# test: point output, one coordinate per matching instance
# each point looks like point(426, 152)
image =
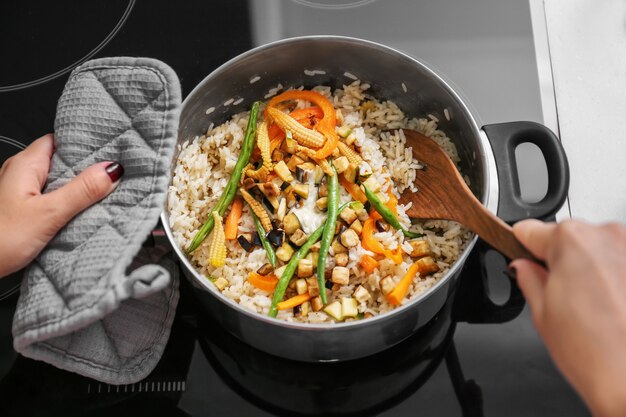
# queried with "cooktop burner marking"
point(333, 4)
point(70, 67)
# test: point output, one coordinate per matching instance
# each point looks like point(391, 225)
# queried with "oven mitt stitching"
point(80, 309)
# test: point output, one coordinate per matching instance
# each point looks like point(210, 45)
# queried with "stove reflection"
point(365, 386)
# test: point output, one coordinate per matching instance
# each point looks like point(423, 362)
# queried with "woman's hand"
point(28, 218)
point(579, 305)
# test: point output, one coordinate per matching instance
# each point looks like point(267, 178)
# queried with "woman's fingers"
point(29, 169)
point(87, 188)
point(531, 279)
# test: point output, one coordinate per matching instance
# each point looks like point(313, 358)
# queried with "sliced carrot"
point(232, 220)
point(396, 296)
point(368, 263)
point(263, 282)
point(293, 301)
point(355, 192)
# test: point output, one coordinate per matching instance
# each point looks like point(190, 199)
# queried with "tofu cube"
point(278, 272)
point(427, 265)
point(301, 286)
point(341, 259)
point(348, 215)
point(387, 285)
point(221, 283)
point(298, 237)
point(361, 294)
point(362, 214)
point(421, 248)
point(340, 275)
point(305, 269)
point(350, 173)
point(316, 303)
point(349, 307)
point(316, 247)
point(305, 308)
point(349, 238)
point(312, 287)
point(357, 226)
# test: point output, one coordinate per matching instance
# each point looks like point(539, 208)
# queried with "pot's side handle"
point(504, 138)
point(472, 303)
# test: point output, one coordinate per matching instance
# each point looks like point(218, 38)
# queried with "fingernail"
point(511, 272)
point(115, 171)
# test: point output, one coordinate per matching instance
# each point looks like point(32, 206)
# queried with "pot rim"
point(489, 197)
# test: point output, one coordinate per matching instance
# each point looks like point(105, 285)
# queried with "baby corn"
point(301, 134)
point(217, 248)
point(258, 209)
point(259, 174)
point(263, 142)
point(349, 153)
point(323, 163)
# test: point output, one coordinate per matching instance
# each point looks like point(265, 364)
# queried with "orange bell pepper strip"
point(370, 243)
point(326, 126)
point(396, 295)
point(293, 301)
point(263, 282)
point(232, 221)
point(354, 190)
point(368, 263)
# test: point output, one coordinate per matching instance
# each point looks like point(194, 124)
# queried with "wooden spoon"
point(443, 194)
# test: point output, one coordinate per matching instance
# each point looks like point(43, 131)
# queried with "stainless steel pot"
point(390, 73)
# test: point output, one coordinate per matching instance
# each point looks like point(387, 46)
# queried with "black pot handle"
point(504, 138)
point(472, 303)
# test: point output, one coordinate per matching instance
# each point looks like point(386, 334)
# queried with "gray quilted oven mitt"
point(82, 308)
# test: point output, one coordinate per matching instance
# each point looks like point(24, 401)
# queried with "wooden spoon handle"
point(498, 234)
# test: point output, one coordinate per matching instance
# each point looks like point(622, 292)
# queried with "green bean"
point(387, 214)
point(290, 268)
point(329, 230)
point(231, 187)
point(269, 250)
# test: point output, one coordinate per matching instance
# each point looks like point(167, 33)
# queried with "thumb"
point(536, 235)
point(87, 188)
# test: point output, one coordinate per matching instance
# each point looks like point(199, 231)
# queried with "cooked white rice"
point(205, 164)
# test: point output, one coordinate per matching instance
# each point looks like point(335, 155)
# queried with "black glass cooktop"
point(478, 357)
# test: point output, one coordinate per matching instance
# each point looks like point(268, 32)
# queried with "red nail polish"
point(115, 171)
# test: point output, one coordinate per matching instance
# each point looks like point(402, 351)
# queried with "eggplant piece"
point(276, 237)
point(245, 243)
point(301, 174)
point(268, 204)
point(381, 226)
point(256, 240)
point(265, 269)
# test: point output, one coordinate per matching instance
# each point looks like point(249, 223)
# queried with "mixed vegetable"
point(290, 182)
